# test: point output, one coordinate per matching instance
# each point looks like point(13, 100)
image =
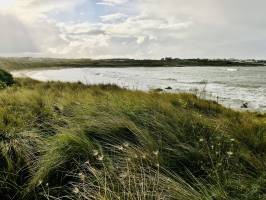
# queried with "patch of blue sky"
point(85, 12)
point(90, 11)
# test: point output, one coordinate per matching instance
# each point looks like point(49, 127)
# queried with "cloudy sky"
point(133, 28)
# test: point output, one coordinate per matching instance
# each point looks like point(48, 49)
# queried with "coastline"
point(131, 78)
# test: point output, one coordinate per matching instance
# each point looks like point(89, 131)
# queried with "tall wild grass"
point(71, 141)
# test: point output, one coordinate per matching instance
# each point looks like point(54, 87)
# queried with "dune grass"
point(71, 141)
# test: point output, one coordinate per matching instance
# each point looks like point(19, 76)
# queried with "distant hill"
point(29, 63)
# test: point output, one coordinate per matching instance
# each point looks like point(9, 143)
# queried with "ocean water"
point(231, 86)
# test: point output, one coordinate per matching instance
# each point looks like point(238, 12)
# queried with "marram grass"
point(71, 141)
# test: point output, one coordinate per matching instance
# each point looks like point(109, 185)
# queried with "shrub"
point(6, 78)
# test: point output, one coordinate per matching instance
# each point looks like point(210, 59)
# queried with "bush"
point(6, 78)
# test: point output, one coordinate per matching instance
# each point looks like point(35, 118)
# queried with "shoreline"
point(208, 95)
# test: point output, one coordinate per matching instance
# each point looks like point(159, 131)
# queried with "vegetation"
point(6, 78)
point(71, 141)
point(26, 63)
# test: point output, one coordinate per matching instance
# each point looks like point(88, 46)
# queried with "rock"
point(244, 105)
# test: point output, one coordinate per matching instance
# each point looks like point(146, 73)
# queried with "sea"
point(230, 86)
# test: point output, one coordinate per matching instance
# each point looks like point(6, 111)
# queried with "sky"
point(133, 28)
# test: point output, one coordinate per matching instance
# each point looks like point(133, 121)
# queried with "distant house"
point(167, 59)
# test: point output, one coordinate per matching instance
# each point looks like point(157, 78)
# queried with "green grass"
point(71, 141)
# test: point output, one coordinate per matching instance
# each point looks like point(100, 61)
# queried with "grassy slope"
point(103, 142)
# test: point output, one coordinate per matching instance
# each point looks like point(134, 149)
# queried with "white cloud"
point(141, 39)
point(32, 10)
point(15, 36)
point(27, 29)
point(113, 17)
point(112, 2)
point(150, 28)
point(46, 5)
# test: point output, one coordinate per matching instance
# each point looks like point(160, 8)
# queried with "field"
point(71, 141)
